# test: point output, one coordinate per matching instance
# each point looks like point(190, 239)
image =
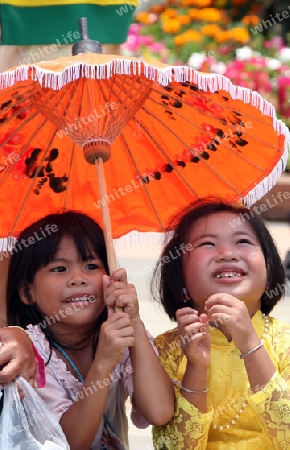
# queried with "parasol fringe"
point(6, 245)
point(269, 182)
point(11, 77)
point(206, 82)
point(138, 238)
point(124, 242)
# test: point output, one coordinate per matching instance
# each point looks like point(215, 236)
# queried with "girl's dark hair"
point(168, 282)
point(36, 247)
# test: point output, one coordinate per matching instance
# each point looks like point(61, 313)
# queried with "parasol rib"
point(177, 172)
point(30, 188)
point(179, 115)
point(145, 190)
point(152, 114)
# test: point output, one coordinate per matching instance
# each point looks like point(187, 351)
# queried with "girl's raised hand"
point(194, 336)
point(118, 292)
point(116, 334)
point(231, 316)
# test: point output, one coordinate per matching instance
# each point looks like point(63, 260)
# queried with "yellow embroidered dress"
point(263, 424)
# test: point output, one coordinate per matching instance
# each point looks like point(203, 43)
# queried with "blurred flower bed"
point(217, 36)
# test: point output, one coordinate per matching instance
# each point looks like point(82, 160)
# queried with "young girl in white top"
point(59, 287)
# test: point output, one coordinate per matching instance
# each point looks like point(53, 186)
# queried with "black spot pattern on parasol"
point(58, 184)
point(145, 180)
point(241, 142)
point(53, 154)
point(5, 104)
point(205, 155)
point(45, 172)
point(157, 175)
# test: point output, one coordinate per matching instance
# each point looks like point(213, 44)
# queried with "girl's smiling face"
point(225, 258)
point(69, 291)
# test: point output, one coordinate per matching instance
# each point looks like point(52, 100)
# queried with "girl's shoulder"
point(38, 338)
point(168, 341)
point(279, 329)
point(54, 365)
point(277, 343)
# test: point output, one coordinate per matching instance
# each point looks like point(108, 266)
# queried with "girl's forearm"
point(153, 389)
point(259, 367)
point(195, 379)
point(82, 420)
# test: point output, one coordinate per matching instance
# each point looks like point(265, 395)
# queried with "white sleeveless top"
point(62, 389)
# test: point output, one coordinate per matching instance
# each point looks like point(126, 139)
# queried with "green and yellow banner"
point(32, 22)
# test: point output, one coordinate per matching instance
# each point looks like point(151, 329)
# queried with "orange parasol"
point(167, 134)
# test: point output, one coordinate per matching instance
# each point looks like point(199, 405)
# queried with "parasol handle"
point(107, 228)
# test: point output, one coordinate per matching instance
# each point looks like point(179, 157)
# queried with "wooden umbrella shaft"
point(107, 228)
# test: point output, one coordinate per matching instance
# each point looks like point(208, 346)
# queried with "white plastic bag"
point(26, 422)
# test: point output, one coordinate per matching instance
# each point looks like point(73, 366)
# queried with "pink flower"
point(146, 40)
point(157, 47)
point(283, 94)
point(134, 28)
point(133, 43)
point(275, 42)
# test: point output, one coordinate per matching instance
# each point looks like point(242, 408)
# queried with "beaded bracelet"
point(251, 351)
point(191, 391)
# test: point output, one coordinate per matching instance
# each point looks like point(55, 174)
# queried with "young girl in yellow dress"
point(229, 360)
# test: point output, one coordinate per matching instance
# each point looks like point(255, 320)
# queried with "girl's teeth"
point(79, 299)
point(85, 298)
point(228, 275)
